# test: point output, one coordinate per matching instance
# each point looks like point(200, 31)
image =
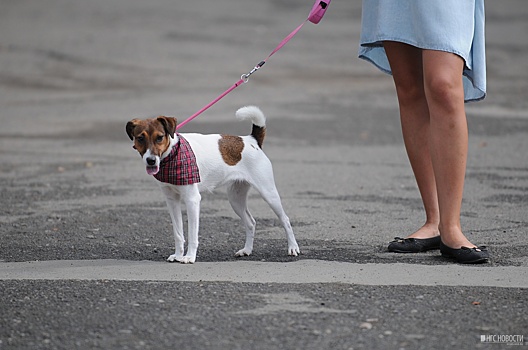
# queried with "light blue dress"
point(455, 26)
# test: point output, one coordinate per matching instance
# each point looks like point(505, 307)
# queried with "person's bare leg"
point(406, 65)
point(448, 139)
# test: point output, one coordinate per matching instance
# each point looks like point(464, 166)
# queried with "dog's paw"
point(294, 250)
point(175, 257)
point(188, 259)
point(243, 252)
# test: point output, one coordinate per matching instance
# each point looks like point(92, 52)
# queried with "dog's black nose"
point(151, 161)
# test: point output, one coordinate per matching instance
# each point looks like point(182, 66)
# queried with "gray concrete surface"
point(84, 231)
point(298, 272)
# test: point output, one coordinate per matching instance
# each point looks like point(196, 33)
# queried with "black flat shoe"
point(465, 255)
point(414, 245)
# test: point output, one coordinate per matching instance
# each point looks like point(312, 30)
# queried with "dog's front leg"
point(191, 196)
point(172, 198)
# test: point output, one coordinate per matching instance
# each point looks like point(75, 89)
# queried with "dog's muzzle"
point(152, 163)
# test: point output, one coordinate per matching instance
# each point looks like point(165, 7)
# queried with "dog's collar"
point(171, 153)
point(174, 143)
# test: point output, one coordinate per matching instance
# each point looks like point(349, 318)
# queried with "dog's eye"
point(141, 139)
point(159, 138)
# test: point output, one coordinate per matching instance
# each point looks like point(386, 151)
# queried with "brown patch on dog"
point(231, 148)
point(151, 134)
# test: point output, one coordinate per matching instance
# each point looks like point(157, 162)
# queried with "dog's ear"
point(130, 128)
point(169, 124)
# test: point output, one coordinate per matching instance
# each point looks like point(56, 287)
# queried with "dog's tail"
point(257, 118)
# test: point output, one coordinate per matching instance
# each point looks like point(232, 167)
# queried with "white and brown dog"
point(187, 164)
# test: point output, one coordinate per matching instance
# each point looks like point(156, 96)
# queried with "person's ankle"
point(426, 231)
point(454, 238)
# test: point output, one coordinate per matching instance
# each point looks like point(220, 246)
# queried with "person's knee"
point(410, 93)
point(443, 90)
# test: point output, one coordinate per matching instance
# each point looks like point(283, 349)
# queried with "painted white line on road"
point(302, 271)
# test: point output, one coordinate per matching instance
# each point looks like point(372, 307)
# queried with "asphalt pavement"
point(84, 231)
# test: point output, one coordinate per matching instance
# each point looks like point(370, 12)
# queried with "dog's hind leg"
point(237, 194)
point(268, 191)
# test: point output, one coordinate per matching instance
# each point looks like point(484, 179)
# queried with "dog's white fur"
point(253, 170)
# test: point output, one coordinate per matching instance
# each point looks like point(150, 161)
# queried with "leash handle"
point(315, 16)
point(318, 11)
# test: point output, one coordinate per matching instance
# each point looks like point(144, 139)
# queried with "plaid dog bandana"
point(179, 167)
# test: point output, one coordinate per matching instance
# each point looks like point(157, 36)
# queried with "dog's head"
point(152, 138)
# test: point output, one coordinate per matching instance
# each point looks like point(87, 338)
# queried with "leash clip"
point(245, 77)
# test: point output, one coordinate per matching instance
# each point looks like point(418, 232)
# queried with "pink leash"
point(315, 16)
